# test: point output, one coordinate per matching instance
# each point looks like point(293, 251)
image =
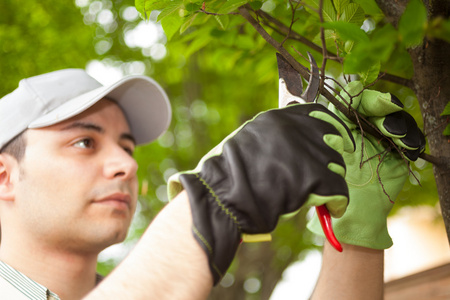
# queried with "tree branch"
point(399, 80)
point(292, 34)
point(324, 46)
point(304, 72)
point(283, 29)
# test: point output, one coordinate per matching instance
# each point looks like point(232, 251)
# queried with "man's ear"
point(7, 163)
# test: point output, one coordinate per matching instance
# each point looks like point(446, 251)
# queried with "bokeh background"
point(215, 83)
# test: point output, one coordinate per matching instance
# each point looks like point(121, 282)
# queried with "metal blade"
point(290, 82)
point(314, 80)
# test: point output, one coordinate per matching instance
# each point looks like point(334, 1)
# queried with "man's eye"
point(85, 143)
point(129, 150)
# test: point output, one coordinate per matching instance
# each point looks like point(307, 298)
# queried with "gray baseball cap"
point(50, 98)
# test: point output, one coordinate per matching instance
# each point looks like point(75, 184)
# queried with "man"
point(68, 188)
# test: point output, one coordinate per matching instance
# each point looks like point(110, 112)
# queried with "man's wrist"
point(354, 273)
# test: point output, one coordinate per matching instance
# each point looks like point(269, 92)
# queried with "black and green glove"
point(365, 221)
point(270, 166)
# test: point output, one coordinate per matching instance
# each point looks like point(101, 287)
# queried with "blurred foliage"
point(41, 37)
point(218, 73)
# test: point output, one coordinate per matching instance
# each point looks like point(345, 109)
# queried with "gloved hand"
point(270, 166)
point(364, 222)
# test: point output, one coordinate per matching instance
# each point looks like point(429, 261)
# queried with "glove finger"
point(350, 95)
point(336, 142)
point(413, 155)
point(378, 104)
point(397, 101)
point(348, 143)
point(392, 125)
point(414, 137)
point(336, 198)
point(395, 124)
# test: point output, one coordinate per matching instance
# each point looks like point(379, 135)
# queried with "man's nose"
point(120, 164)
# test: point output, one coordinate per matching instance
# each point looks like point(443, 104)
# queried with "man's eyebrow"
point(128, 136)
point(84, 125)
point(97, 128)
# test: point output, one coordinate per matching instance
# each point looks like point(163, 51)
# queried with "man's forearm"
point(167, 263)
point(356, 273)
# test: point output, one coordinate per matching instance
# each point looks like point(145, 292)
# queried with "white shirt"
point(16, 286)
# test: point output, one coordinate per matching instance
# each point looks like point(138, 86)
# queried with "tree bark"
point(431, 84)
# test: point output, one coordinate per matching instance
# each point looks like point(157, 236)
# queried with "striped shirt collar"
point(25, 285)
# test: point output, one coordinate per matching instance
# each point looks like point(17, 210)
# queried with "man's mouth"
point(118, 200)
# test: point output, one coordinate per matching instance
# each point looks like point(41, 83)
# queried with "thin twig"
point(293, 35)
point(324, 46)
point(215, 14)
point(296, 36)
point(292, 21)
point(300, 54)
point(368, 127)
point(379, 177)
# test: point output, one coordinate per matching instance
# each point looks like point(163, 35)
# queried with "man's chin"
point(102, 240)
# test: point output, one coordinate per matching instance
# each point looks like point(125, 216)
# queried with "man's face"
point(77, 187)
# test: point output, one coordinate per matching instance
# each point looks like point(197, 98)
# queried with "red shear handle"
point(325, 221)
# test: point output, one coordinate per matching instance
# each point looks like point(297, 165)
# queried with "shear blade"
point(314, 80)
point(292, 78)
point(291, 86)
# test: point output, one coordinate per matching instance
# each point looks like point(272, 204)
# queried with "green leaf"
point(400, 63)
point(339, 5)
point(192, 7)
point(439, 28)
point(231, 6)
point(353, 13)
point(187, 22)
point(348, 31)
point(256, 4)
point(145, 7)
point(140, 7)
point(170, 8)
point(412, 23)
point(328, 11)
point(311, 5)
point(447, 130)
point(371, 74)
point(367, 53)
point(369, 6)
point(171, 24)
point(446, 111)
point(348, 46)
point(198, 2)
point(330, 38)
point(223, 21)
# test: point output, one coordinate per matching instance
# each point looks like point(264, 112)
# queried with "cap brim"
point(143, 101)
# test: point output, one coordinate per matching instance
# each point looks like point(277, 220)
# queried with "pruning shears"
point(290, 91)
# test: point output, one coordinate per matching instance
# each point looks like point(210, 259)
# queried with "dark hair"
point(16, 147)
